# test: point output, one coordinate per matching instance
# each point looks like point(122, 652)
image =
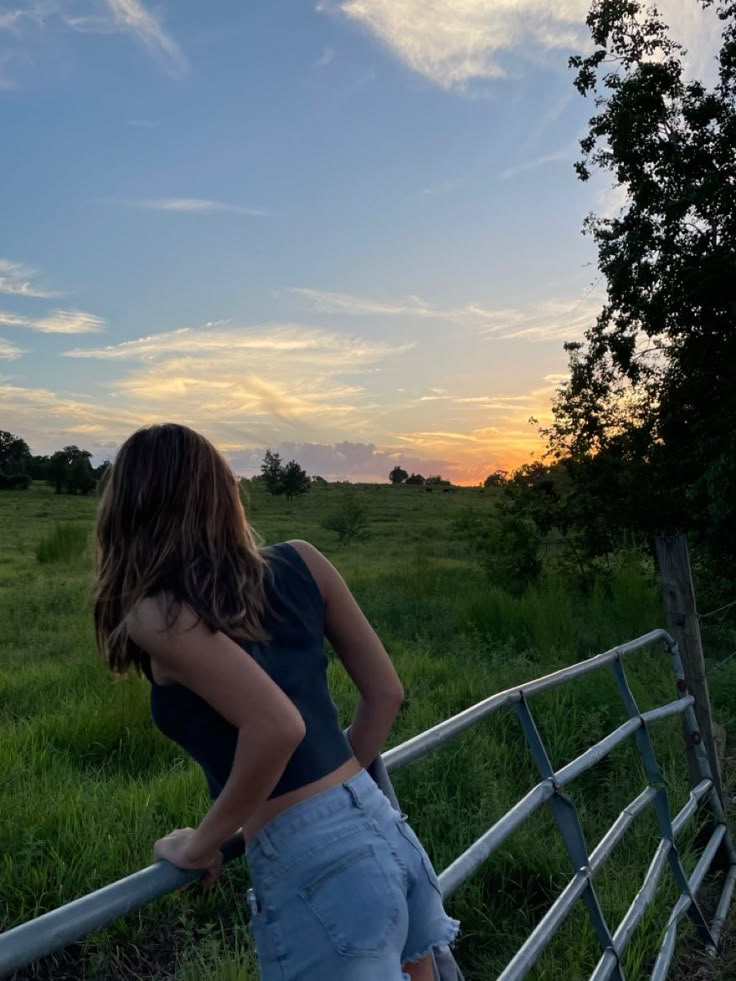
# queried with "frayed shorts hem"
point(446, 940)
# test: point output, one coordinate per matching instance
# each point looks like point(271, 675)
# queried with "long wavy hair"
point(170, 524)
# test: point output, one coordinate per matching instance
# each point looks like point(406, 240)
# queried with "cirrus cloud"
point(57, 322)
point(454, 43)
point(16, 279)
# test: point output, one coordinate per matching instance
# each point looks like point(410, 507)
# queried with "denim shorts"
point(342, 890)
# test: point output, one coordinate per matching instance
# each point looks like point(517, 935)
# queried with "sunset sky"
point(346, 230)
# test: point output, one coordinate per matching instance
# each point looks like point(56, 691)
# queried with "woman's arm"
point(364, 656)
point(222, 673)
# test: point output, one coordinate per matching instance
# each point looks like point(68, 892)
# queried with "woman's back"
point(294, 658)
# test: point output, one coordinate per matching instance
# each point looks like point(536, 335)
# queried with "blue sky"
point(349, 231)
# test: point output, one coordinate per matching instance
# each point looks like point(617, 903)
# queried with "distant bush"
point(508, 547)
point(62, 544)
point(496, 479)
point(14, 481)
point(349, 521)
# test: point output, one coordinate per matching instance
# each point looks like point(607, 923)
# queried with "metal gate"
point(50, 932)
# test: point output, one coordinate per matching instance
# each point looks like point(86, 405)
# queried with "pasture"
point(87, 784)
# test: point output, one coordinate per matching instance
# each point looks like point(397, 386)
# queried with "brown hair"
point(170, 523)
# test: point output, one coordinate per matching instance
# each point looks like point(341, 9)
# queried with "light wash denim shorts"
point(342, 890)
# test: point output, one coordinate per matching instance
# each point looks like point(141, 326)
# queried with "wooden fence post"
point(682, 623)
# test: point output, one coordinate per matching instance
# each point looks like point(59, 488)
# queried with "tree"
point(272, 472)
point(436, 481)
point(294, 480)
point(81, 475)
point(496, 479)
point(38, 467)
point(647, 398)
point(69, 469)
point(398, 475)
point(14, 453)
point(415, 478)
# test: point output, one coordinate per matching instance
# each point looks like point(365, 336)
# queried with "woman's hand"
point(177, 848)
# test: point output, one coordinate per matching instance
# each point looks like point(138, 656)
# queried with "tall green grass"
point(63, 543)
point(87, 784)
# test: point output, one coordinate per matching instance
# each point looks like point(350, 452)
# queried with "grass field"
point(87, 784)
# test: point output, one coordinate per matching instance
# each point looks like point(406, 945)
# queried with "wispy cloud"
point(453, 43)
point(130, 17)
point(57, 322)
point(327, 301)
point(437, 190)
point(92, 24)
point(12, 19)
point(16, 279)
point(568, 153)
point(310, 344)
point(228, 382)
point(10, 351)
point(133, 16)
point(195, 206)
point(240, 386)
point(326, 58)
point(550, 320)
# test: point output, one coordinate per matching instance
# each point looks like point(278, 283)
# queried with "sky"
point(346, 230)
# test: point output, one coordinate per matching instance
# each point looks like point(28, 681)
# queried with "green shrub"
point(349, 521)
point(507, 545)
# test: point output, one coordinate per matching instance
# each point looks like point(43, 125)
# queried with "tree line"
point(400, 476)
point(68, 469)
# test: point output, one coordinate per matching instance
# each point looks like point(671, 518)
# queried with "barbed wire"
point(727, 606)
point(719, 664)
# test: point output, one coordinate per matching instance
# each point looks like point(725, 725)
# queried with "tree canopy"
point(648, 414)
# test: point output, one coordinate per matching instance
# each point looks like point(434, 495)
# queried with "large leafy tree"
point(14, 452)
point(70, 469)
point(648, 415)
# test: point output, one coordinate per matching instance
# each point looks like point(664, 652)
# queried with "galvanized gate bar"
point(568, 823)
point(643, 898)
point(426, 741)
point(662, 964)
point(53, 930)
point(693, 801)
point(464, 865)
point(619, 828)
point(723, 904)
point(525, 957)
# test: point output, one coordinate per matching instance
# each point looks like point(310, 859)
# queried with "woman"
point(232, 640)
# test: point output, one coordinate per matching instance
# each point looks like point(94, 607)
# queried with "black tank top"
point(294, 657)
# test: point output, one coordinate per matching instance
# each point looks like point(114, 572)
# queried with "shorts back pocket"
point(355, 902)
